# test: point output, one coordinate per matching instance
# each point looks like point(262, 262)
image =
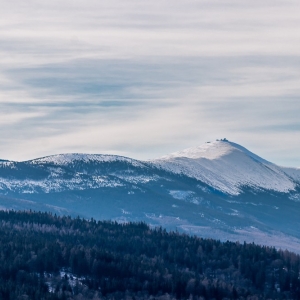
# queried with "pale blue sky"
point(143, 79)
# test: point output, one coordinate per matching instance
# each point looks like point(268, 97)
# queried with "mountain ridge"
point(202, 196)
point(223, 165)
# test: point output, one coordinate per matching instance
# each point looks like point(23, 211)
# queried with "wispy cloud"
point(146, 78)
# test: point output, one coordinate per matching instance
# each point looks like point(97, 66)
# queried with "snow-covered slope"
point(71, 172)
point(229, 167)
point(294, 173)
point(71, 158)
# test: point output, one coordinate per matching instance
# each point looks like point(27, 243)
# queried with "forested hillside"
point(43, 256)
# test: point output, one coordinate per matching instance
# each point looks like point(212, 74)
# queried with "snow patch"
point(56, 184)
point(181, 195)
point(295, 197)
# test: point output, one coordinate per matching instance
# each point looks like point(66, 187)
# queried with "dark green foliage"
point(105, 260)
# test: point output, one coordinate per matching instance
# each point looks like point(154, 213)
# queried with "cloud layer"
point(142, 79)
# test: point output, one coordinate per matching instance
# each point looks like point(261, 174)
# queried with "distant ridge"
point(222, 164)
point(68, 158)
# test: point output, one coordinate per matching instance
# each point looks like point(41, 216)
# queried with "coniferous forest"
point(43, 256)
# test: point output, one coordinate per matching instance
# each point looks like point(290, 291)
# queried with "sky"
point(146, 78)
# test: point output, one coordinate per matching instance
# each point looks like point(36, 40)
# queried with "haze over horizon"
point(146, 79)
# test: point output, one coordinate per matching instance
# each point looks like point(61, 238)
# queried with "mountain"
point(229, 167)
point(218, 190)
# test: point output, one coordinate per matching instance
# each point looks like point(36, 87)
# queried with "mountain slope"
point(63, 172)
point(229, 167)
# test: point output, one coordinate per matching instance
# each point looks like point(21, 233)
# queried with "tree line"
point(44, 256)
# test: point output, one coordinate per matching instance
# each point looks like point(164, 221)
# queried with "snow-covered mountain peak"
point(213, 150)
point(228, 167)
